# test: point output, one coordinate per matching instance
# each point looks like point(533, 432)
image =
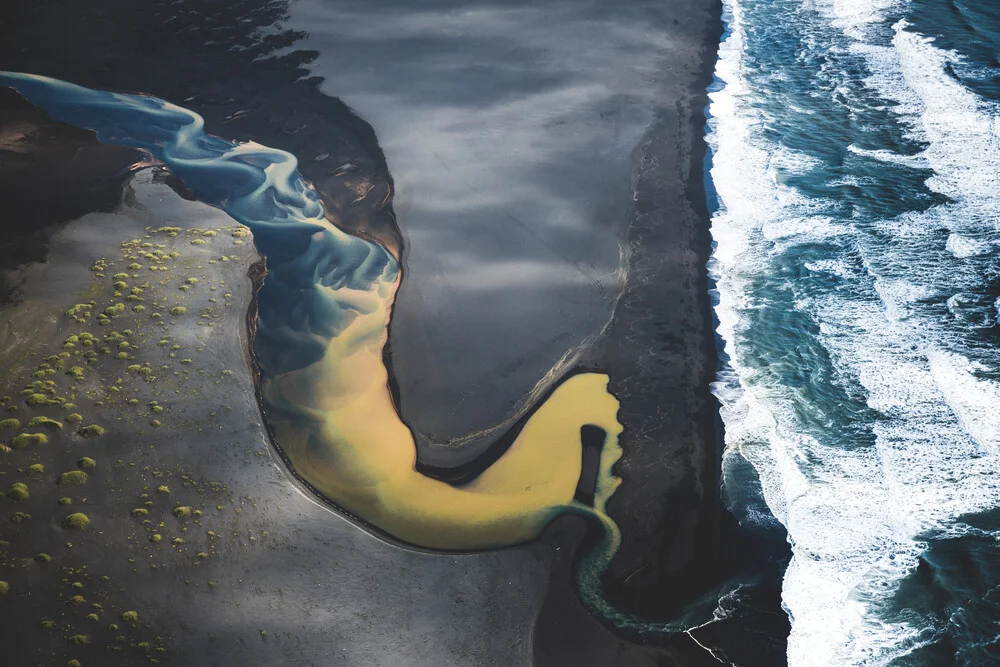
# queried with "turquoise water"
point(856, 157)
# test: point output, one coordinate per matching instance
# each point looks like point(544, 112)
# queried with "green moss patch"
point(18, 491)
point(44, 421)
point(25, 440)
point(9, 424)
point(76, 521)
point(73, 478)
point(86, 463)
point(92, 431)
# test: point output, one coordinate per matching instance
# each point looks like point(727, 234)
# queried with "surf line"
point(322, 324)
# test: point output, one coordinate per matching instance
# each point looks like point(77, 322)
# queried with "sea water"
point(856, 159)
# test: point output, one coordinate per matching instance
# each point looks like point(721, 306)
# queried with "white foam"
point(855, 17)
point(962, 247)
point(918, 161)
point(973, 400)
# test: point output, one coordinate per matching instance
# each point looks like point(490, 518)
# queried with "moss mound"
point(92, 431)
point(9, 423)
point(130, 616)
point(73, 478)
point(35, 400)
point(18, 491)
point(76, 521)
point(44, 421)
point(86, 463)
point(25, 440)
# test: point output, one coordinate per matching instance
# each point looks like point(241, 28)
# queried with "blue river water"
point(856, 161)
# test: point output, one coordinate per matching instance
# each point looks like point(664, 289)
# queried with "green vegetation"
point(140, 511)
point(65, 501)
point(76, 521)
point(74, 418)
point(182, 512)
point(130, 616)
point(86, 463)
point(92, 431)
point(178, 310)
point(9, 423)
point(43, 558)
point(92, 617)
point(164, 489)
point(156, 538)
point(35, 469)
point(20, 517)
point(4, 587)
point(18, 491)
point(35, 400)
point(25, 440)
point(44, 421)
point(80, 640)
point(73, 663)
point(73, 478)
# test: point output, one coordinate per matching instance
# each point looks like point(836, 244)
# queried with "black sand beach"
point(522, 260)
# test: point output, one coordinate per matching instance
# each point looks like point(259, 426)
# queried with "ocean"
point(855, 155)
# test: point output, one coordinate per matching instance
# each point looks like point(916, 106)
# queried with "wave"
point(853, 389)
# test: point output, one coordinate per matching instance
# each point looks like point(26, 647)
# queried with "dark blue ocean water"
point(856, 160)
